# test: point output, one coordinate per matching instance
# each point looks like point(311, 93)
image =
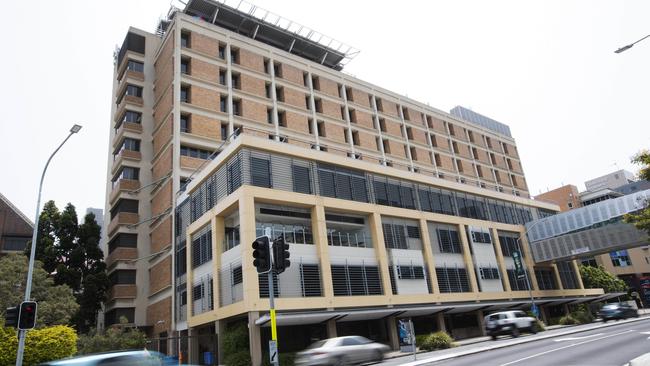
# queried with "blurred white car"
point(342, 351)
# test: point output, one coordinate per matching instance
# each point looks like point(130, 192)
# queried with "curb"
point(517, 342)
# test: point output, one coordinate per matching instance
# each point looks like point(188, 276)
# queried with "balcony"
point(127, 127)
point(123, 185)
point(122, 292)
point(125, 155)
point(122, 218)
point(121, 253)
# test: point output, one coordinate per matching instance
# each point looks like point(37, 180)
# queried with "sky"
point(546, 68)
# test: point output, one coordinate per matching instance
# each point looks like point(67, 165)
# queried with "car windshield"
point(317, 344)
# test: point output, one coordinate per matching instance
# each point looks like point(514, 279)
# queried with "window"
point(382, 125)
point(451, 129)
point(126, 172)
point(122, 277)
point(310, 280)
point(545, 279)
point(620, 258)
point(222, 76)
point(224, 131)
point(223, 104)
point(471, 136)
point(516, 283)
point(307, 102)
point(282, 118)
point(185, 123)
point(380, 105)
point(356, 280)
point(135, 66)
point(489, 273)
point(131, 90)
point(234, 175)
point(355, 138)
point(409, 133)
point(236, 107)
point(352, 115)
point(320, 125)
point(236, 80)
point(452, 280)
point(128, 144)
point(405, 114)
point(434, 142)
point(318, 103)
point(124, 205)
point(479, 171)
point(132, 117)
point(269, 115)
point(15, 243)
point(509, 162)
point(455, 147)
point(414, 153)
point(185, 94)
point(449, 241)
point(509, 245)
point(202, 248)
point(301, 179)
point(410, 272)
point(234, 55)
point(488, 141)
point(386, 145)
point(267, 65)
point(567, 275)
point(185, 65)
point(260, 172)
point(222, 51)
point(122, 240)
point(277, 69)
point(394, 193)
point(279, 93)
point(459, 165)
point(305, 79)
point(315, 82)
point(185, 39)
point(195, 152)
point(342, 183)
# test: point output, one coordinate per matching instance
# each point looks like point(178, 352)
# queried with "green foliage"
point(41, 345)
point(568, 320)
point(235, 346)
point(539, 325)
point(598, 277)
point(641, 218)
point(56, 304)
point(114, 338)
point(434, 341)
point(72, 257)
point(581, 315)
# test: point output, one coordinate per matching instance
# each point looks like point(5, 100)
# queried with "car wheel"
point(494, 337)
point(533, 328)
point(379, 356)
point(515, 332)
point(604, 320)
point(341, 361)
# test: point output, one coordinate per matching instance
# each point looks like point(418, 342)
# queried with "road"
point(612, 345)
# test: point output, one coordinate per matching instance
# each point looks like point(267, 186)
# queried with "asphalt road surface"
point(613, 345)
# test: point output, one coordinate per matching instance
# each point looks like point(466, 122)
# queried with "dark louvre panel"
point(425, 202)
point(260, 172)
point(545, 279)
point(301, 179)
point(393, 195)
point(448, 241)
point(393, 284)
point(452, 280)
point(359, 190)
point(234, 175)
point(357, 283)
point(381, 193)
point(310, 280)
point(327, 184)
point(413, 232)
point(408, 200)
point(400, 237)
point(340, 281)
point(389, 242)
point(264, 285)
point(343, 187)
point(373, 281)
point(517, 284)
point(356, 280)
point(567, 275)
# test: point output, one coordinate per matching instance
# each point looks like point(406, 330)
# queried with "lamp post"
point(530, 288)
point(625, 48)
point(32, 255)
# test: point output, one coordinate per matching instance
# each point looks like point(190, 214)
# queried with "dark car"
point(617, 311)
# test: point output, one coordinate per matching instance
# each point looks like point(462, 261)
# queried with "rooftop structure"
point(481, 120)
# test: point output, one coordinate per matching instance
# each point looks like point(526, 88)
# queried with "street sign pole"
point(273, 343)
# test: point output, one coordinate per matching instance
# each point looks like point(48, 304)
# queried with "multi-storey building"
point(15, 228)
point(229, 121)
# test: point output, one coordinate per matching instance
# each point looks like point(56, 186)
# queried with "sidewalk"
point(551, 331)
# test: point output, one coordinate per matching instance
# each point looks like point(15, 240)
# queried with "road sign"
point(273, 353)
point(519, 268)
point(535, 310)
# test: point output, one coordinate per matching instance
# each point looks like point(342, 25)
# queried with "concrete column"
point(331, 328)
point(319, 228)
point(254, 338)
point(576, 269)
point(218, 234)
point(556, 273)
point(382, 254)
point(565, 308)
point(428, 256)
point(467, 256)
point(247, 236)
point(500, 261)
point(481, 322)
point(393, 336)
point(220, 330)
point(542, 312)
point(193, 346)
point(440, 321)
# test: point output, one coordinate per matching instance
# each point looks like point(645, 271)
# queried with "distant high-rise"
point(610, 181)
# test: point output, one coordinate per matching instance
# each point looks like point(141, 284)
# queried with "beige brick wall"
point(161, 235)
point(368, 140)
point(447, 163)
point(162, 199)
point(334, 132)
point(254, 111)
point(390, 108)
point(251, 60)
point(297, 122)
point(204, 98)
point(396, 149)
point(483, 156)
point(468, 168)
point(478, 139)
point(463, 150)
point(487, 173)
point(419, 136)
point(162, 166)
point(328, 87)
point(164, 76)
point(292, 74)
point(159, 316)
point(191, 163)
point(204, 44)
point(205, 126)
point(331, 109)
point(253, 85)
point(295, 98)
point(160, 275)
point(363, 119)
point(359, 97)
point(204, 71)
point(438, 126)
point(163, 135)
point(393, 128)
point(163, 107)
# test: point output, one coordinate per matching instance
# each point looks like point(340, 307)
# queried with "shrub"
point(568, 320)
point(434, 341)
point(241, 358)
point(540, 326)
point(113, 338)
point(41, 345)
point(235, 339)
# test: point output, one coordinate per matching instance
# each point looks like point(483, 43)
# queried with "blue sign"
point(535, 310)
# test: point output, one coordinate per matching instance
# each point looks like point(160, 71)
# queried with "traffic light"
point(27, 315)
point(11, 317)
point(262, 254)
point(280, 255)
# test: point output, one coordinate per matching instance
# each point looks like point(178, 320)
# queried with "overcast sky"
point(545, 68)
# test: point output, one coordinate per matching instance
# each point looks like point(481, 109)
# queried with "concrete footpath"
point(480, 344)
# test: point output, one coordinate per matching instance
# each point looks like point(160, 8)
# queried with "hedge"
point(434, 341)
point(41, 345)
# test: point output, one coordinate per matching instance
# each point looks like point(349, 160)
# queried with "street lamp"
point(625, 48)
point(32, 255)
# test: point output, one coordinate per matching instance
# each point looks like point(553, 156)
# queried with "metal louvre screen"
point(342, 183)
point(517, 284)
point(202, 295)
point(452, 279)
point(202, 246)
point(231, 283)
point(260, 172)
point(545, 279)
point(449, 241)
point(509, 245)
point(567, 275)
point(301, 179)
point(393, 284)
point(353, 280)
point(264, 285)
point(310, 280)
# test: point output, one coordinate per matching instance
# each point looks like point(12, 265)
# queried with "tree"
point(641, 218)
point(598, 277)
point(114, 338)
point(74, 258)
point(56, 303)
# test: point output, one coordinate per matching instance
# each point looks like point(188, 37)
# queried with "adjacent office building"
point(15, 228)
point(230, 120)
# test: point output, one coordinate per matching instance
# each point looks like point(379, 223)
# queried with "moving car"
point(139, 357)
point(509, 322)
point(617, 311)
point(342, 351)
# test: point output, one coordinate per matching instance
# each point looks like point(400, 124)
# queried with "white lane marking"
point(645, 333)
point(568, 346)
point(576, 338)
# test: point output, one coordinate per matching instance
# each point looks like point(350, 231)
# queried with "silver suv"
point(509, 322)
